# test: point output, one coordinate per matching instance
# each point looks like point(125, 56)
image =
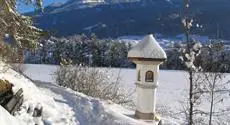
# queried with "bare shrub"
point(94, 82)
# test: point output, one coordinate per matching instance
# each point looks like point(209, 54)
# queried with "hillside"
point(134, 18)
point(52, 112)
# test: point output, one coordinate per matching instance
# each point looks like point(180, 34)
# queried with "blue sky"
point(25, 8)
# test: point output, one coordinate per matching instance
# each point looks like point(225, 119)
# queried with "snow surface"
point(171, 93)
point(89, 110)
point(61, 106)
point(172, 84)
point(52, 113)
point(147, 48)
point(7, 119)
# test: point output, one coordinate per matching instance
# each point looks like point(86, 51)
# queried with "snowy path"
point(48, 89)
point(86, 110)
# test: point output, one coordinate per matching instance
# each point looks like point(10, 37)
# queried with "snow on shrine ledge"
point(147, 50)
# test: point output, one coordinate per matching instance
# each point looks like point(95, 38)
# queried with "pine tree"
point(18, 28)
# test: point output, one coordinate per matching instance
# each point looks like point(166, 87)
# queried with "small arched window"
point(139, 76)
point(149, 76)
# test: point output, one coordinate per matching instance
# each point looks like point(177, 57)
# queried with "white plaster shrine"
point(147, 55)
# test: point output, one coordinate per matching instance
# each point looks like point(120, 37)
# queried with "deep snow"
point(171, 93)
point(62, 106)
point(172, 84)
point(89, 110)
point(52, 113)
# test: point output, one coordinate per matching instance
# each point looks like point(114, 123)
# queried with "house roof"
point(147, 49)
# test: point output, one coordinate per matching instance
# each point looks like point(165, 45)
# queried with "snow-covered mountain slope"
point(80, 4)
point(127, 17)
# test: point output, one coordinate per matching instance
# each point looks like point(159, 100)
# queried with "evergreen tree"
point(18, 29)
point(17, 26)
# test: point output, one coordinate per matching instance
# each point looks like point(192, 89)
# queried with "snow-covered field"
point(64, 106)
point(171, 93)
point(171, 83)
point(61, 106)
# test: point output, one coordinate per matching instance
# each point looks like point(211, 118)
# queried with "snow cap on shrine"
point(147, 50)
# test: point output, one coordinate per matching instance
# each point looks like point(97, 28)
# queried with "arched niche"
point(149, 76)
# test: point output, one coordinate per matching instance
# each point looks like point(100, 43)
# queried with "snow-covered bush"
point(94, 82)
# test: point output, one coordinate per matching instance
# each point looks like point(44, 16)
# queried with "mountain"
point(80, 4)
point(116, 18)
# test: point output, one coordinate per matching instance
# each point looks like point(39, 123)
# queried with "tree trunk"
point(210, 115)
point(190, 98)
point(212, 102)
point(186, 32)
